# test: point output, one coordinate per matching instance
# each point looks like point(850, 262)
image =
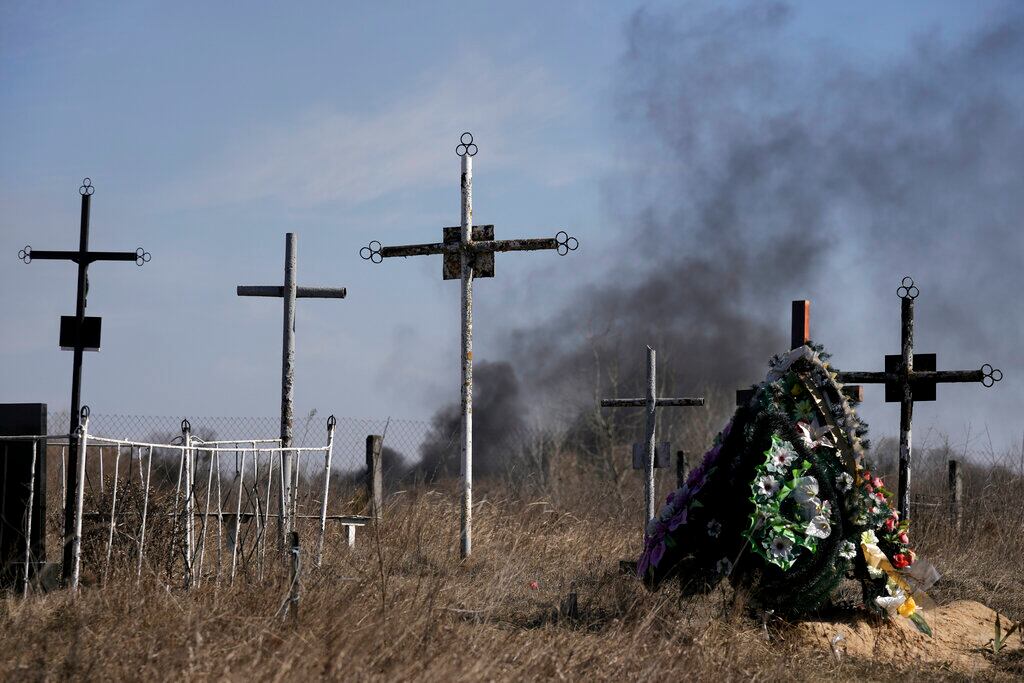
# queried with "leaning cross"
point(289, 293)
point(79, 334)
point(650, 402)
point(910, 377)
point(468, 252)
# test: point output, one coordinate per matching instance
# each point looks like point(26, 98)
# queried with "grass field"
point(403, 606)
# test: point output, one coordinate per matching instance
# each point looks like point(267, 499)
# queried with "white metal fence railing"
point(220, 487)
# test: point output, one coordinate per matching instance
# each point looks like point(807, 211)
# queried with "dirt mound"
point(963, 633)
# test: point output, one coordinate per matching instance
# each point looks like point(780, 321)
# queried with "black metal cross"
point(910, 377)
point(79, 334)
point(289, 293)
point(468, 252)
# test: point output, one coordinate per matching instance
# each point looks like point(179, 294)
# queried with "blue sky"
point(210, 132)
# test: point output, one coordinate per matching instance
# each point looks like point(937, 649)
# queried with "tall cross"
point(289, 293)
point(650, 403)
point(468, 251)
point(79, 334)
point(910, 377)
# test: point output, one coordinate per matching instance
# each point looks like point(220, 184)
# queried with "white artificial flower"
point(868, 537)
point(782, 455)
point(848, 551)
point(875, 572)
point(781, 548)
point(767, 486)
point(845, 482)
point(819, 527)
point(714, 528)
point(804, 489)
point(810, 508)
point(724, 566)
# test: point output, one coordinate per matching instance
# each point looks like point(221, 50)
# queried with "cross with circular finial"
point(990, 375)
point(907, 289)
point(466, 146)
point(142, 256)
point(26, 254)
point(86, 189)
point(565, 243)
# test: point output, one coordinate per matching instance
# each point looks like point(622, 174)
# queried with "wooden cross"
point(289, 293)
point(79, 334)
point(910, 377)
point(650, 403)
point(468, 252)
point(800, 334)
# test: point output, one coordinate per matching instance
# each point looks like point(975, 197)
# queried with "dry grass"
point(403, 606)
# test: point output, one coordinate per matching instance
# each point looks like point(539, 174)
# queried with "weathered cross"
point(650, 403)
point(468, 252)
point(79, 334)
point(289, 293)
point(910, 377)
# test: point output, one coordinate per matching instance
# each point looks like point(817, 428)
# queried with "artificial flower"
point(781, 548)
point(724, 566)
point(900, 561)
point(804, 489)
point(782, 454)
point(767, 486)
point(819, 527)
point(848, 550)
point(804, 410)
point(844, 481)
point(903, 538)
point(868, 537)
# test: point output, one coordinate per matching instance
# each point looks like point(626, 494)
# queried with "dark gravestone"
point(18, 419)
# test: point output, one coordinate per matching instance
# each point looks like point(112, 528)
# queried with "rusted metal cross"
point(910, 377)
point(650, 403)
point(79, 334)
point(289, 293)
point(468, 252)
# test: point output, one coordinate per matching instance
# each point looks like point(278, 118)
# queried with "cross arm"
point(641, 402)
point(300, 292)
point(987, 375)
point(536, 244)
point(140, 255)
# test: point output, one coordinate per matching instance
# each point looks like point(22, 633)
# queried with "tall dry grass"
point(403, 606)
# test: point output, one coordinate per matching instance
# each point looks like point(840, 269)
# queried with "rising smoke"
point(769, 167)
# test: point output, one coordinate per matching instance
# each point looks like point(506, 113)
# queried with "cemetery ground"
point(402, 605)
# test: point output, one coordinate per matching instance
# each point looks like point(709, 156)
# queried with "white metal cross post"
point(289, 293)
point(650, 402)
point(468, 252)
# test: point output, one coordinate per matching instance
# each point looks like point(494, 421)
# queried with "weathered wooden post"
point(468, 253)
point(289, 293)
point(651, 449)
point(291, 601)
point(374, 475)
point(956, 489)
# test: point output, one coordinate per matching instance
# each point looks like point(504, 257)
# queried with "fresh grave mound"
point(784, 506)
point(963, 635)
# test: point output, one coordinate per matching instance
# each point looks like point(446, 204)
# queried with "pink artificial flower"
point(877, 482)
point(903, 538)
point(890, 524)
